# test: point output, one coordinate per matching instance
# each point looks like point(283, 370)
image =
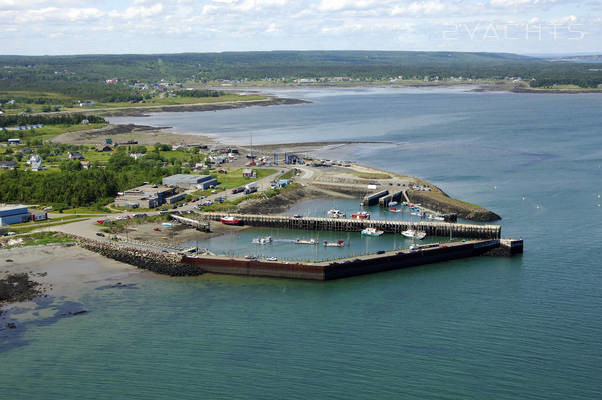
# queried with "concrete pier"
point(386, 200)
point(373, 198)
point(441, 229)
point(346, 267)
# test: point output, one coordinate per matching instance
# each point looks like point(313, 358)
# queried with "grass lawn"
point(50, 131)
point(30, 228)
point(183, 156)
point(372, 175)
point(100, 156)
point(167, 101)
point(234, 179)
point(41, 238)
point(87, 210)
point(59, 219)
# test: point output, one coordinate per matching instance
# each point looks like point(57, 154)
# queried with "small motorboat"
point(371, 232)
point(361, 215)
point(334, 213)
point(230, 221)
point(414, 234)
point(435, 217)
point(340, 243)
point(271, 259)
point(393, 204)
point(395, 210)
point(310, 241)
point(263, 240)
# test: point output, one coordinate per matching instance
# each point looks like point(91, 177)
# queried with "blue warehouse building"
point(14, 214)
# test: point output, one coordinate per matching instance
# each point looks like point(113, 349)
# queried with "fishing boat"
point(360, 215)
point(371, 232)
point(302, 241)
point(340, 243)
point(334, 213)
point(230, 221)
point(263, 240)
point(414, 234)
point(435, 217)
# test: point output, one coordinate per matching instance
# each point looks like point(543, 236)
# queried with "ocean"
point(499, 328)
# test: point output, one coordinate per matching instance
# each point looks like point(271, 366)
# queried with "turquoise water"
point(485, 328)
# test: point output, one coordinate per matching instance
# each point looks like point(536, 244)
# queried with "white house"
point(35, 162)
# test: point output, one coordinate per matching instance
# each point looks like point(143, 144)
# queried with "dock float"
point(442, 229)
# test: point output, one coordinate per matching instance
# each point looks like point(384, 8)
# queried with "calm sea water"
point(526, 327)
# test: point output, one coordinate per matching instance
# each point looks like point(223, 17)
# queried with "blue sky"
point(172, 26)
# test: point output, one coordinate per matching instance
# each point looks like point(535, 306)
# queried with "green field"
point(171, 101)
point(41, 238)
point(372, 175)
point(234, 179)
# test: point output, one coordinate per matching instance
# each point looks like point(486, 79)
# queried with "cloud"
point(337, 5)
point(138, 11)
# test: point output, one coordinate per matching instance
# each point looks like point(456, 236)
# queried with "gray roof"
point(185, 178)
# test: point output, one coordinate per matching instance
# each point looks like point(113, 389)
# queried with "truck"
point(250, 188)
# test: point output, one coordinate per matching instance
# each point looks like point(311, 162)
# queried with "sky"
point(41, 27)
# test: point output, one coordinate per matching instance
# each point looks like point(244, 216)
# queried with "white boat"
point(340, 243)
point(393, 204)
point(395, 210)
point(263, 240)
point(271, 259)
point(414, 234)
point(334, 213)
point(435, 217)
point(371, 232)
point(310, 241)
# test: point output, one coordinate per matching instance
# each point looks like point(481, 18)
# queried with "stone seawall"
point(160, 263)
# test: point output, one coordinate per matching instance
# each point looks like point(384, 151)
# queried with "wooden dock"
point(442, 229)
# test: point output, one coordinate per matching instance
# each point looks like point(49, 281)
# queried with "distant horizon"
point(534, 55)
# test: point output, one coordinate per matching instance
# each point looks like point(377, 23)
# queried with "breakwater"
point(180, 264)
point(155, 261)
point(344, 268)
point(353, 225)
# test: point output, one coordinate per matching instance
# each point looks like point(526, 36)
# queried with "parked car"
point(100, 234)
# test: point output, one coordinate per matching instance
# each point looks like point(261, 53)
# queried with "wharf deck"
point(443, 229)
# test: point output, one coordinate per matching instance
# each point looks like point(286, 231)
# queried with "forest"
point(74, 187)
point(84, 76)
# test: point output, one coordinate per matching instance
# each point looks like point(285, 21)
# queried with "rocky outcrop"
point(160, 263)
point(440, 202)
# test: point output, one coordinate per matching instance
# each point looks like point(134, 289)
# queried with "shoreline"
point(143, 110)
point(506, 87)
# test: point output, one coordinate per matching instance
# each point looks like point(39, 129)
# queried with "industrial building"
point(17, 214)
point(190, 181)
point(148, 196)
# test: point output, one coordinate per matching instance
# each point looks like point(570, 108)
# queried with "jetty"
point(347, 267)
point(442, 229)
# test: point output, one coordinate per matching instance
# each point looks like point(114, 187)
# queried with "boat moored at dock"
point(371, 232)
point(360, 215)
point(414, 234)
point(334, 213)
point(228, 220)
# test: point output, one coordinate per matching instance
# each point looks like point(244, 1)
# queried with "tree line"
point(74, 187)
point(57, 119)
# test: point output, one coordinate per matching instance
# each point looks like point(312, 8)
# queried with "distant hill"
point(68, 74)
